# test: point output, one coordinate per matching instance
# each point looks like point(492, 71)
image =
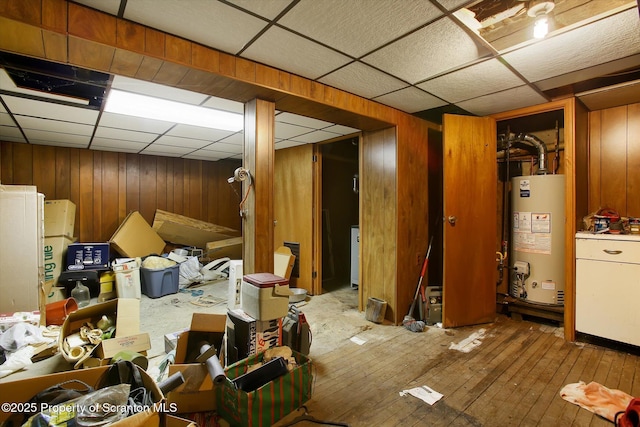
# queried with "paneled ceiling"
point(424, 57)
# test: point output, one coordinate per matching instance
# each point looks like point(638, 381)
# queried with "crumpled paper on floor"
point(424, 393)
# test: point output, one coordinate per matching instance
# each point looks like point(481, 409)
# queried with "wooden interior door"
point(294, 209)
point(469, 199)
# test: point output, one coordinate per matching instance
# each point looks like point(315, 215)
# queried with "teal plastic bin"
point(158, 282)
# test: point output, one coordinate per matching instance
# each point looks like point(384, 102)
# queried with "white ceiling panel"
point(480, 79)
point(268, 9)
point(606, 40)
point(109, 144)
point(11, 134)
point(207, 155)
point(109, 6)
point(282, 49)
point(162, 150)
point(286, 130)
point(236, 139)
point(362, 80)
point(46, 110)
point(125, 134)
point(48, 125)
point(410, 100)
point(158, 91)
point(211, 23)
point(224, 148)
point(356, 27)
point(315, 136)
point(224, 105)
point(434, 49)
point(454, 4)
point(295, 119)
point(7, 84)
point(341, 130)
point(285, 143)
point(197, 132)
point(53, 138)
point(5, 119)
point(191, 144)
point(140, 124)
point(510, 99)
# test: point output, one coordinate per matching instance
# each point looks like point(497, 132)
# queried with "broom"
point(409, 322)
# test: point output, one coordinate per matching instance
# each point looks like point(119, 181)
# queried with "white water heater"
point(537, 239)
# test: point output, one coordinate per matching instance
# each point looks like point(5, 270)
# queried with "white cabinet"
point(608, 286)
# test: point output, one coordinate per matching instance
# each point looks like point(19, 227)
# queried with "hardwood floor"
point(512, 378)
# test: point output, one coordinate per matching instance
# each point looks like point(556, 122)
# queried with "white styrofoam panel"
point(6, 120)
point(49, 125)
point(296, 119)
point(225, 148)
point(357, 27)
point(362, 80)
point(314, 136)
point(159, 149)
point(211, 23)
point(6, 83)
point(434, 49)
point(268, 9)
point(286, 130)
point(453, 4)
point(191, 144)
point(122, 121)
point(410, 100)
point(342, 130)
point(206, 155)
point(284, 50)
point(224, 105)
point(606, 40)
point(157, 90)
point(285, 143)
point(236, 139)
point(2, 109)
point(109, 144)
point(519, 97)
point(54, 138)
point(49, 110)
point(11, 134)
point(198, 132)
point(108, 6)
point(477, 80)
point(125, 134)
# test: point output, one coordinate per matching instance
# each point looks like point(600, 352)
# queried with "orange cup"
point(59, 310)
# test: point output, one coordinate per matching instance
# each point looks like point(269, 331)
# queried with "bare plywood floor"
point(513, 377)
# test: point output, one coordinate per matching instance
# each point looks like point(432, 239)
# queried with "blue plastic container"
point(158, 282)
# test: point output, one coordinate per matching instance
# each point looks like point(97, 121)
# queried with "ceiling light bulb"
point(541, 27)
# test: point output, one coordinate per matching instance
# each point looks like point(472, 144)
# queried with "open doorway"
point(340, 215)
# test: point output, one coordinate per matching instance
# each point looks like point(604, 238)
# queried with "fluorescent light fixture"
point(133, 104)
point(541, 27)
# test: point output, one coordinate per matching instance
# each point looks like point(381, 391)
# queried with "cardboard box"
point(20, 391)
point(139, 343)
point(55, 253)
point(87, 256)
point(21, 251)
point(182, 230)
point(197, 394)
point(135, 238)
point(59, 218)
point(247, 336)
point(125, 312)
point(230, 248)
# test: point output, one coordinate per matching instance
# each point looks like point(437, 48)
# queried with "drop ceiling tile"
point(224, 105)
point(285, 143)
point(471, 82)
point(606, 40)
point(296, 119)
point(109, 6)
point(286, 131)
point(50, 110)
point(284, 50)
point(357, 27)
point(612, 96)
point(175, 141)
point(268, 9)
point(197, 132)
point(434, 49)
point(157, 90)
point(454, 4)
point(128, 135)
point(236, 139)
point(11, 134)
point(314, 136)
point(49, 125)
point(170, 150)
point(6, 120)
point(6, 83)
point(140, 124)
point(410, 100)
point(342, 130)
point(510, 99)
point(55, 138)
point(109, 144)
point(362, 80)
point(211, 23)
point(224, 148)
point(206, 155)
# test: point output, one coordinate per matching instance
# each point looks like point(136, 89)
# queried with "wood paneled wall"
point(106, 186)
point(614, 159)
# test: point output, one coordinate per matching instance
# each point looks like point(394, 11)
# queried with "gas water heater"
point(537, 239)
